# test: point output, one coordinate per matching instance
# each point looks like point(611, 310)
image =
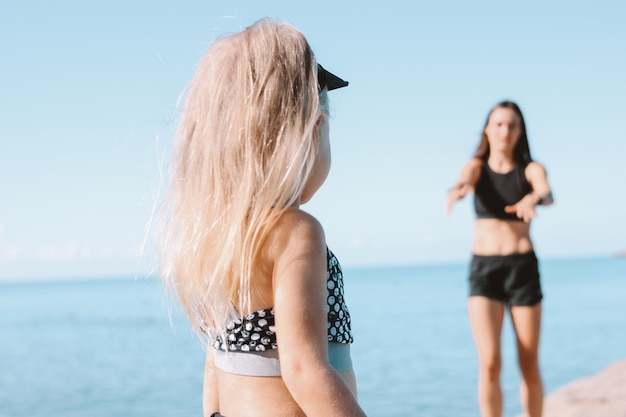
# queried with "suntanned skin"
point(504, 237)
point(290, 275)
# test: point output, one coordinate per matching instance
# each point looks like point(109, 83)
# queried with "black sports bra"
point(495, 191)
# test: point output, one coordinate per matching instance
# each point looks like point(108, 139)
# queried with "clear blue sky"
point(88, 92)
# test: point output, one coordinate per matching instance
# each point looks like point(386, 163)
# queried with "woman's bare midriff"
point(501, 237)
point(246, 396)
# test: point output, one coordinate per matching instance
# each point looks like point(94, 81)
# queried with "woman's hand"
point(525, 208)
point(456, 193)
point(541, 194)
point(470, 173)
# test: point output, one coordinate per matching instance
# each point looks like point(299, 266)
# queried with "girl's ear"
point(318, 126)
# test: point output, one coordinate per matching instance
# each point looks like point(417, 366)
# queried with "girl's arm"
point(470, 173)
point(210, 395)
point(299, 282)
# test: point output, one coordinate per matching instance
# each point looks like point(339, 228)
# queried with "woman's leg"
point(486, 318)
point(527, 324)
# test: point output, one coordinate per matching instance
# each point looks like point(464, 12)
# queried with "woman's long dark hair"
point(521, 153)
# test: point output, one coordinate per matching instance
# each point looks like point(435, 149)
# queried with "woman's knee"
point(490, 366)
point(529, 366)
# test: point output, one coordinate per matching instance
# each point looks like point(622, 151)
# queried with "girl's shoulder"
point(297, 220)
point(297, 230)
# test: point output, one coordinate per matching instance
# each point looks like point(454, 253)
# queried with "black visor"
point(328, 80)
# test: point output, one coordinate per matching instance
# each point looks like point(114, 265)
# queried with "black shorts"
point(512, 279)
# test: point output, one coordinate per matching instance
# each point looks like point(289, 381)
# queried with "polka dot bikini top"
point(256, 332)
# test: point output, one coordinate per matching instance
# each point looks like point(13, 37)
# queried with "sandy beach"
point(599, 395)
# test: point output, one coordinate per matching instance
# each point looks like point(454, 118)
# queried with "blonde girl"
point(252, 269)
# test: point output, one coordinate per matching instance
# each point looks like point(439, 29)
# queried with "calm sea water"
point(107, 348)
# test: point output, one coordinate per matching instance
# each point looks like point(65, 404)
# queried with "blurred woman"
point(507, 185)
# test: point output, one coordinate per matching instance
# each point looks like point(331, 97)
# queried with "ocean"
point(118, 347)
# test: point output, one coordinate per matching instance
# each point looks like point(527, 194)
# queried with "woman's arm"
point(210, 395)
point(299, 282)
point(538, 179)
point(470, 173)
point(541, 193)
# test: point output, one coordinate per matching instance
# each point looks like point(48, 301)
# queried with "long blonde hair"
point(242, 154)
